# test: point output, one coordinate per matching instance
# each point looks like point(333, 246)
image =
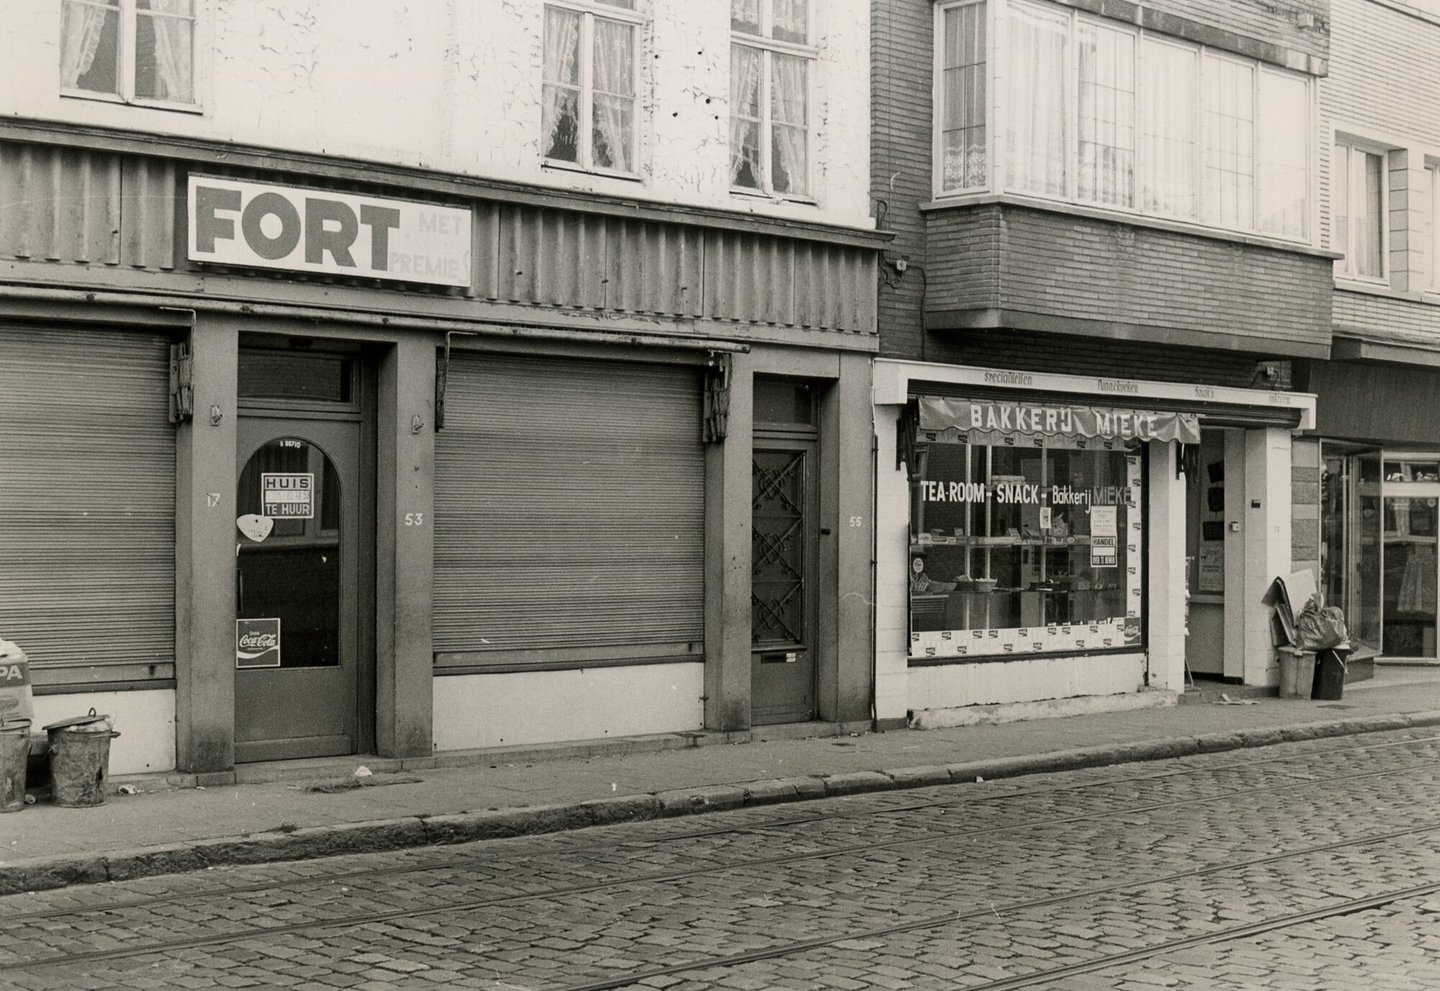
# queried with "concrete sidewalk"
point(311, 808)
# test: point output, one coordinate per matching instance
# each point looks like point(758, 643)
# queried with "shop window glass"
point(1024, 544)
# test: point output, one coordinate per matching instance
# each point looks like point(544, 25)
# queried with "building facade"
point(403, 385)
point(1109, 258)
point(1379, 469)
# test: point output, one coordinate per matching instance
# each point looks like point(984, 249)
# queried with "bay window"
point(588, 109)
point(1099, 112)
point(1358, 215)
point(140, 51)
point(771, 59)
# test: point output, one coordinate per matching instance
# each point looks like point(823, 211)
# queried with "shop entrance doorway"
point(784, 509)
point(297, 582)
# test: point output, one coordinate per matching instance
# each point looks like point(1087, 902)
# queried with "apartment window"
point(1228, 127)
point(963, 105)
point(1169, 129)
point(588, 112)
point(140, 51)
point(1358, 178)
point(1432, 174)
point(771, 61)
point(1103, 113)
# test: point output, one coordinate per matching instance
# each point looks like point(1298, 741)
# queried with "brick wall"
point(1058, 265)
point(1036, 352)
point(902, 39)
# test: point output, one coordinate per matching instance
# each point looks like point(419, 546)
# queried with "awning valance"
point(955, 419)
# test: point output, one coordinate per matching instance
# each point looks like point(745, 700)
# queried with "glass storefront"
point(1379, 547)
point(1026, 528)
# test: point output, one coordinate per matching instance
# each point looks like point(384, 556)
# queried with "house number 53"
point(414, 519)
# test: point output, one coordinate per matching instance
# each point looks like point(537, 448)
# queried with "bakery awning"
point(955, 420)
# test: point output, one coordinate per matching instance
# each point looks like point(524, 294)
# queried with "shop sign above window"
point(1009, 423)
point(312, 230)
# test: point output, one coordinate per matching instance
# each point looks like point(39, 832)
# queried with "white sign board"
point(287, 495)
point(315, 230)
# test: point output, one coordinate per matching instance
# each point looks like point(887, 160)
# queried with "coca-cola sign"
point(257, 643)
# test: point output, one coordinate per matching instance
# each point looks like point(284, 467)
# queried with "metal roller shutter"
point(569, 513)
point(87, 504)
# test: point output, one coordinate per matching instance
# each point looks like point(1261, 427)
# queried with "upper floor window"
point(133, 50)
point(1358, 216)
point(1100, 112)
point(588, 112)
point(770, 74)
point(1432, 176)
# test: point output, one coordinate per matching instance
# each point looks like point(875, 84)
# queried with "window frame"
point(768, 47)
point(128, 14)
point(1432, 172)
point(937, 152)
point(1358, 148)
point(588, 10)
point(998, 182)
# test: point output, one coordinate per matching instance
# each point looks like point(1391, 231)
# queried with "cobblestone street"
point(1301, 866)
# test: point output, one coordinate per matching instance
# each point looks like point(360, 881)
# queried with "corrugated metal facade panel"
point(553, 257)
point(91, 207)
point(87, 499)
point(569, 509)
point(84, 206)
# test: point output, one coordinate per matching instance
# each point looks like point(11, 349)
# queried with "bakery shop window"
point(1026, 530)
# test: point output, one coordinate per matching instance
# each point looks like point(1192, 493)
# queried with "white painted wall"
point(455, 85)
point(1267, 549)
point(892, 572)
point(507, 710)
point(936, 692)
point(144, 720)
point(1165, 570)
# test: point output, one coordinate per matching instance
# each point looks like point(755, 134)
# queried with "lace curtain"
point(1036, 110)
point(613, 113)
point(173, 26)
point(788, 92)
point(745, 65)
point(81, 26)
point(1169, 102)
point(1106, 133)
point(561, 110)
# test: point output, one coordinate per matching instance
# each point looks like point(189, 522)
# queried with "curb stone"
point(451, 828)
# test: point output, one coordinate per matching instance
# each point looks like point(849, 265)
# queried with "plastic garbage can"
point(80, 760)
point(14, 755)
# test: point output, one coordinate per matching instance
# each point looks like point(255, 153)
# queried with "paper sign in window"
point(287, 495)
point(257, 643)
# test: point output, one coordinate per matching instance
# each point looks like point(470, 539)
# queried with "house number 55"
point(857, 521)
point(414, 519)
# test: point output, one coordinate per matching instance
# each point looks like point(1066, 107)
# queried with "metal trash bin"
point(14, 755)
point(1329, 683)
point(80, 760)
point(1297, 672)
